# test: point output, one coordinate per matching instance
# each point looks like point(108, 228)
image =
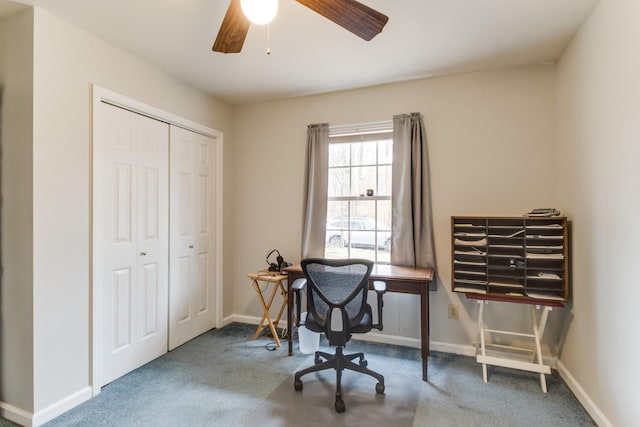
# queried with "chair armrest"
point(297, 287)
point(380, 287)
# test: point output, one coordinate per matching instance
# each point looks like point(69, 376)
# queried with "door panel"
point(202, 281)
point(124, 210)
point(121, 309)
point(201, 210)
point(204, 220)
point(130, 239)
point(181, 289)
point(191, 309)
point(153, 239)
point(115, 148)
point(149, 304)
point(185, 202)
point(150, 196)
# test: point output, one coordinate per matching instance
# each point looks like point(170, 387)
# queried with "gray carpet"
point(224, 378)
point(315, 403)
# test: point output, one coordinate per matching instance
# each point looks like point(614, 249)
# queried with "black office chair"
point(337, 306)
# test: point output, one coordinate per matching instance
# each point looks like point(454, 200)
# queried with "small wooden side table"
point(269, 277)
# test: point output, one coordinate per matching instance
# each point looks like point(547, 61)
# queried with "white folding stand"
point(532, 360)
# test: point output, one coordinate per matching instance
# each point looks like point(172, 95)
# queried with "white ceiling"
point(313, 55)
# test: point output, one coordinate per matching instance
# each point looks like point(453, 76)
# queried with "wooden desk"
point(406, 280)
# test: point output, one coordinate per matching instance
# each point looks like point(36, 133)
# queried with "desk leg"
point(283, 292)
point(424, 329)
point(289, 315)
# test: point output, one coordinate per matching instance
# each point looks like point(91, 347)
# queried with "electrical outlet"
point(453, 311)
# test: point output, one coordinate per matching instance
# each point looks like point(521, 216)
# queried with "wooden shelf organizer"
point(520, 260)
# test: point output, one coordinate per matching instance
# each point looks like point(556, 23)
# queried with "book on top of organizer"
point(543, 212)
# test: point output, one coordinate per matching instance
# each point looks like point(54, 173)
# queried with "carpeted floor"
point(315, 404)
point(224, 378)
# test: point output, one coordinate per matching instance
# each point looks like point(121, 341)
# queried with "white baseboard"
point(251, 320)
point(463, 350)
point(29, 419)
point(388, 339)
point(15, 414)
point(61, 406)
point(227, 320)
point(582, 396)
point(373, 337)
point(459, 349)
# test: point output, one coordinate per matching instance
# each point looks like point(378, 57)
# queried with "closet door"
point(192, 254)
point(130, 239)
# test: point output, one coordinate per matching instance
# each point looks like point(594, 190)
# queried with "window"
point(359, 192)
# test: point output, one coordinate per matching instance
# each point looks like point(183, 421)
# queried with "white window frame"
point(361, 133)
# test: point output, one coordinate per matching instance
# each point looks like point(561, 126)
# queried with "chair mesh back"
point(338, 285)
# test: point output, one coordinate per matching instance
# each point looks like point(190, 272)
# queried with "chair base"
point(339, 362)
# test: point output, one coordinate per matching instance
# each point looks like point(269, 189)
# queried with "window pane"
point(339, 155)
point(370, 234)
point(337, 209)
point(363, 153)
point(384, 181)
point(384, 214)
point(363, 208)
point(363, 178)
point(339, 182)
point(385, 151)
point(337, 229)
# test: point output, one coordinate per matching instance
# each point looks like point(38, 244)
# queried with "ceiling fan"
point(352, 15)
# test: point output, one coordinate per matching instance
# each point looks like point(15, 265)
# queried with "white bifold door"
point(192, 252)
point(153, 251)
point(131, 239)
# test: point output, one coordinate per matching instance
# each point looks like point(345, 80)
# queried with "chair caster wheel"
point(380, 388)
point(297, 385)
point(340, 406)
point(363, 363)
point(317, 360)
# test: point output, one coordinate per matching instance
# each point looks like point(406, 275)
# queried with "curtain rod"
point(360, 128)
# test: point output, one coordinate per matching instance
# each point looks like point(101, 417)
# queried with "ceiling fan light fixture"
point(259, 12)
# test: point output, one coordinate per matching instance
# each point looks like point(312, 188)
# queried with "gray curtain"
point(316, 186)
point(412, 229)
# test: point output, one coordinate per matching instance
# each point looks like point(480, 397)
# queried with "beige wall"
point(16, 298)
point(67, 62)
point(491, 148)
point(598, 134)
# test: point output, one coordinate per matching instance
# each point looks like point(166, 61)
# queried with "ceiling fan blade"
point(354, 16)
point(233, 30)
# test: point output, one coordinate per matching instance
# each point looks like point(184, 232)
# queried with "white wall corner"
point(575, 387)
